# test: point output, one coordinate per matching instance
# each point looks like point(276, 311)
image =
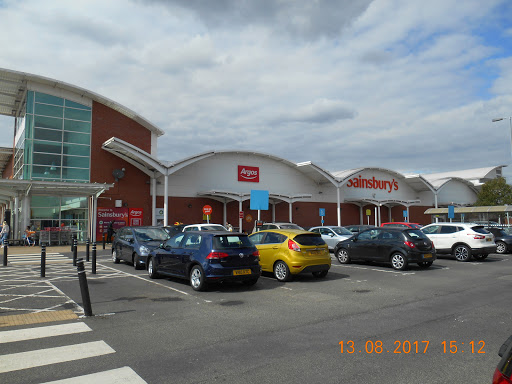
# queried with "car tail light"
point(256, 253)
point(478, 237)
point(216, 255)
point(498, 378)
point(410, 244)
point(293, 245)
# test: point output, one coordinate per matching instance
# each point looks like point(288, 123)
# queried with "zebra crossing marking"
point(41, 332)
point(124, 375)
point(47, 356)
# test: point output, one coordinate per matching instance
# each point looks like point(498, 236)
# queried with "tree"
point(495, 192)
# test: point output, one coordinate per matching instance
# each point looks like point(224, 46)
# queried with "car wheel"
point(151, 269)
point(398, 261)
point(462, 253)
point(320, 274)
point(425, 264)
point(281, 271)
point(250, 282)
point(501, 247)
point(136, 262)
point(342, 256)
point(115, 259)
point(197, 279)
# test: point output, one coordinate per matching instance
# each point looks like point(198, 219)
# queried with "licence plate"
point(238, 272)
point(427, 255)
point(488, 239)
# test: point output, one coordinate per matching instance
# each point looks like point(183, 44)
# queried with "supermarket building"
point(81, 161)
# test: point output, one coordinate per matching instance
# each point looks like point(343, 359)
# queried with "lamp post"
point(510, 123)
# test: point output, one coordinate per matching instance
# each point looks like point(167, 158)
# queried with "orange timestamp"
point(416, 346)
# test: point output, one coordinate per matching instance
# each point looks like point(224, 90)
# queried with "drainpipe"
point(153, 200)
point(338, 208)
point(166, 199)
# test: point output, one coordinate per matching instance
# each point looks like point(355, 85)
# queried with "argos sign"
point(250, 174)
point(373, 183)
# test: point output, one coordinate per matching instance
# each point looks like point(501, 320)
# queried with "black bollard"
point(84, 288)
point(104, 237)
point(43, 260)
point(74, 251)
point(87, 242)
point(93, 267)
point(72, 243)
point(5, 252)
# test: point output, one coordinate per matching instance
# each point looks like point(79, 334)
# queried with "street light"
point(510, 122)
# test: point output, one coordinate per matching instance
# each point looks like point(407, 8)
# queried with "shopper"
point(28, 236)
point(4, 234)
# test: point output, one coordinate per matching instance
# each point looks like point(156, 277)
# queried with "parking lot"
point(420, 325)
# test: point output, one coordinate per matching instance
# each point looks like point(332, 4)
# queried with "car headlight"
point(144, 251)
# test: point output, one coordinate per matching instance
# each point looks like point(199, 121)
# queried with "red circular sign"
point(207, 210)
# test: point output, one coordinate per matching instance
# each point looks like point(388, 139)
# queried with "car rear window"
point(416, 234)
point(289, 226)
point(309, 239)
point(231, 241)
point(342, 231)
point(479, 229)
point(213, 228)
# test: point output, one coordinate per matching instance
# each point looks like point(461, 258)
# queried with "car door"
point(432, 231)
point(330, 238)
point(268, 244)
point(187, 251)
point(385, 243)
point(118, 243)
point(365, 245)
point(447, 237)
point(169, 256)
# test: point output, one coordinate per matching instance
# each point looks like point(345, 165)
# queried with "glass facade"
point(54, 140)
point(53, 143)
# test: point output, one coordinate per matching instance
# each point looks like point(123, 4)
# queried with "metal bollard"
point(87, 243)
point(43, 260)
point(75, 246)
point(104, 238)
point(84, 288)
point(6, 245)
point(93, 266)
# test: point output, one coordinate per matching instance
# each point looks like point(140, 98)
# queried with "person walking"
point(4, 234)
point(28, 236)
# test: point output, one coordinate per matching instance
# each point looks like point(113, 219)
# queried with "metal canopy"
point(483, 209)
point(12, 188)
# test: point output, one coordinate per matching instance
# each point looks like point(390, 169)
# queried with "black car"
point(502, 238)
point(503, 372)
point(398, 246)
point(207, 256)
point(133, 244)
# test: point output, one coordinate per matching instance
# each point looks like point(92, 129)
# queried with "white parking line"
point(374, 269)
point(124, 375)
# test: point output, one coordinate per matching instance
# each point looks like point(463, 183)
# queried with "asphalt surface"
point(165, 332)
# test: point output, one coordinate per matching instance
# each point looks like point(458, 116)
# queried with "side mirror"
point(162, 246)
point(331, 234)
point(354, 239)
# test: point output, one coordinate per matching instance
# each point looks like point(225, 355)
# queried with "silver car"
point(332, 234)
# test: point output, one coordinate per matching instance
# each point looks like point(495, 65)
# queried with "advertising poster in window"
point(135, 216)
point(117, 216)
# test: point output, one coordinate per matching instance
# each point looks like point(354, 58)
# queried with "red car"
point(398, 224)
point(503, 372)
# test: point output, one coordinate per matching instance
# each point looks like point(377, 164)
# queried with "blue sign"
point(451, 212)
point(405, 213)
point(321, 212)
point(259, 200)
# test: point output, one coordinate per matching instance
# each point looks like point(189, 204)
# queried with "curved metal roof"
point(13, 87)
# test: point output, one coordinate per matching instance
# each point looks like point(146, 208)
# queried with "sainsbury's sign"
point(250, 174)
point(373, 183)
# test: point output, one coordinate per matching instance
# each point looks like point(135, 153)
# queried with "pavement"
point(30, 296)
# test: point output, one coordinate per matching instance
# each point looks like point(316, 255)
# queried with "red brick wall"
point(133, 189)
point(8, 172)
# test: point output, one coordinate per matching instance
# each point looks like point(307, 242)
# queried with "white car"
point(332, 235)
point(462, 240)
point(204, 227)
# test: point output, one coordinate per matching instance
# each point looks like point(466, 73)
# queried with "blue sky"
point(401, 84)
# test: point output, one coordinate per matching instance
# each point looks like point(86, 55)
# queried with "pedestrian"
point(4, 234)
point(229, 227)
point(110, 231)
point(28, 236)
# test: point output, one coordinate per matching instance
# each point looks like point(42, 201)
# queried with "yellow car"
point(288, 252)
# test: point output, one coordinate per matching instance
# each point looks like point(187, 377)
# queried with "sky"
point(407, 85)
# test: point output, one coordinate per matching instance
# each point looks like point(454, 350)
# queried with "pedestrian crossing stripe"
point(36, 258)
point(124, 375)
point(47, 356)
point(41, 332)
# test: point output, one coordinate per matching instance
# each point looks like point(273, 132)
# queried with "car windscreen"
point(231, 241)
point(480, 229)
point(151, 234)
point(290, 226)
point(416, 234)
point(309, 239)
point(342, 231)
point(213, 227)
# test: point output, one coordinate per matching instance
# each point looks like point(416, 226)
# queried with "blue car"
point(206, 256)
point(133, 244)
